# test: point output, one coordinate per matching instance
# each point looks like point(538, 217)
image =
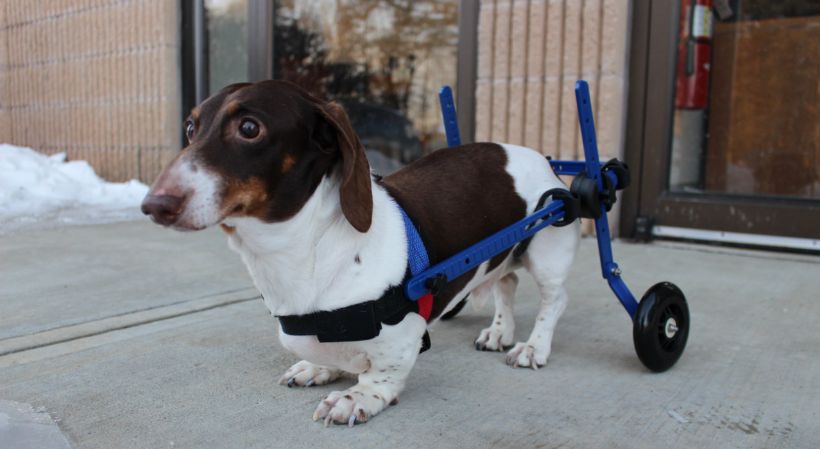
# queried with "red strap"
point(426, 306)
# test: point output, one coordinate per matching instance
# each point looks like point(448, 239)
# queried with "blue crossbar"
point(570, 168)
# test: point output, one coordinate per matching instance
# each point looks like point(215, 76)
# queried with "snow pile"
point(41, 190)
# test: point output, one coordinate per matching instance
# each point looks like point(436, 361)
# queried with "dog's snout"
point(163, 209)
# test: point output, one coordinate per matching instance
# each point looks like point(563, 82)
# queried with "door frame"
point(648, 143)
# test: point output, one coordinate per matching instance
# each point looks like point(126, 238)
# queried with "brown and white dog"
point(286, 177)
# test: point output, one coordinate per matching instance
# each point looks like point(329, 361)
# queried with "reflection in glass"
point(384, 60)
point(746, 117)
point(227, 25)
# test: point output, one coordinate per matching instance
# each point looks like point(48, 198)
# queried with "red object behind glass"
point(694, 55)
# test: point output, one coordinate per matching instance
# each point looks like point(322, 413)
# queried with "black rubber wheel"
point(661, 326)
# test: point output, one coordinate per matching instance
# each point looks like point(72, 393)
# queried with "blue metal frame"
point(448, 115)
point(497, 243)
point(609, 269)
point(475, 255)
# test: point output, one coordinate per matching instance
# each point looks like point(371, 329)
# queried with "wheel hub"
point(670, 328)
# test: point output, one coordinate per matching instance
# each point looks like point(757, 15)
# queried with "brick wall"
point(530, 54)
point(98, 79)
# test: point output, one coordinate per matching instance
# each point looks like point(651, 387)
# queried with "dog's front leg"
point(391, 355)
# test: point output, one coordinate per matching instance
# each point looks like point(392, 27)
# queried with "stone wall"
point(97, 79)
point(530, 54)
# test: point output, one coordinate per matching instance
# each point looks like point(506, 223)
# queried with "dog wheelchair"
point(660, 319)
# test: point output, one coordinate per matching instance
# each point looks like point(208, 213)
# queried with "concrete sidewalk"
point(131, 336)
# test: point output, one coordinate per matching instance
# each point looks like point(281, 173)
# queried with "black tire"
point(661, 326)
point(452, 313)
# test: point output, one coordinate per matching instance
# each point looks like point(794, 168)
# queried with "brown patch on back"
point(230, 230)
point(457, 197)
point(287, 163)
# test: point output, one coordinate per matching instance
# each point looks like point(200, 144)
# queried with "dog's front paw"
point(306, 374)
point(527, 355)
point(493, 339)
point(354, 405)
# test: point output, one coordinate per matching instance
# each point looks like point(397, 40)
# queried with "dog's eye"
point(249, 128)
point(189, 130)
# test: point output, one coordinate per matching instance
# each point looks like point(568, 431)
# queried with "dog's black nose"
point(163, 209)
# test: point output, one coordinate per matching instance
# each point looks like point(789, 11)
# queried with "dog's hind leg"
point(549, 259)
point(501, 331)
point(306, 374)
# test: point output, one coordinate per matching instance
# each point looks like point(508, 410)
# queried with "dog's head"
point(260, 150)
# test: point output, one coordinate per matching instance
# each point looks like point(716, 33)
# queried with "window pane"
point(383, 60)
point(227, 24)
point(746, 118)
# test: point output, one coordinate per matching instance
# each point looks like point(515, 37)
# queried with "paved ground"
point(130, 336)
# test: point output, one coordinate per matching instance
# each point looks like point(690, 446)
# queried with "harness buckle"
point(436, 283)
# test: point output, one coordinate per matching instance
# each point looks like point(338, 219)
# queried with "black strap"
point(358, 322)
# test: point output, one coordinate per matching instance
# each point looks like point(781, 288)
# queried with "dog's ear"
point(355, 194)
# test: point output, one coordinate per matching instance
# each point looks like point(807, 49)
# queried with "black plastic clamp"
point(436, 283)
point(572, 210)
point(591, 199)
point(572, 205)
point(608, 196)
point(621, 171)
point(585, 189)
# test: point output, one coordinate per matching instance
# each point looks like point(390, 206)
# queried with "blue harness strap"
point(416, 252)
point(418, 260)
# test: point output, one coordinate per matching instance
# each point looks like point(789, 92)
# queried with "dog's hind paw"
point(353, 406)
point(525, 355)
point(306, 374)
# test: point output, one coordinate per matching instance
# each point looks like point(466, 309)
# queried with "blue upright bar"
point(448, 115)
point(609, 269)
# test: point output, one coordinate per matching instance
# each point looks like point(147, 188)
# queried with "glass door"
point(384, 61)
point(724, 118)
